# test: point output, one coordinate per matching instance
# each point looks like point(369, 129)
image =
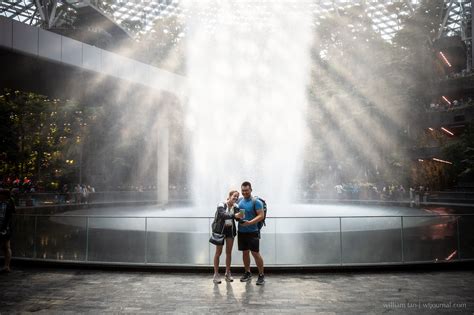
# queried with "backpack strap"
point(255, 210)
point(254, 201)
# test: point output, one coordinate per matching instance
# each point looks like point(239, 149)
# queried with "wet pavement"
point(57, 290)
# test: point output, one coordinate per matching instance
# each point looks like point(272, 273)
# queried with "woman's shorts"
point(228, 232)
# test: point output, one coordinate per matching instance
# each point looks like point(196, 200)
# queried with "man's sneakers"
point(228, 277)
point(217, 279)
point(246, 277)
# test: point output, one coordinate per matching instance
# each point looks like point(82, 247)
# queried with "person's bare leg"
point(246, 259)
point(7, 252)
point(258, 261)
point(217, 255)
point(228, 254)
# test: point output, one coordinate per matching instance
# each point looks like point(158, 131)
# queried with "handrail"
point(268, 217)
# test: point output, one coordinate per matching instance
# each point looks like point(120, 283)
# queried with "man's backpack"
point(261, 223)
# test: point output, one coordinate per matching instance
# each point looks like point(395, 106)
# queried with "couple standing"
point(248, 211)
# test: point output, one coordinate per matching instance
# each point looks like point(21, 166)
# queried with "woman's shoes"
point(228, 277)
point(217, 279)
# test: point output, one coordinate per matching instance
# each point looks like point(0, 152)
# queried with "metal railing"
point(73, 198)
point(285, 241)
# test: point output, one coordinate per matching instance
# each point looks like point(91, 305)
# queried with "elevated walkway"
point(35, 58)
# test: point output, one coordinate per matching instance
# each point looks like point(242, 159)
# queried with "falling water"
point(248, 71)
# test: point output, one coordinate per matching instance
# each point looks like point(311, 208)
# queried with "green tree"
point(42, 136)
point(163, 46)
point(353, 103)
point(367, 95)
point(461, 154)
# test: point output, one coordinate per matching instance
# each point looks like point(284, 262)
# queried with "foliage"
point(383, 85)
point(416, 59)
point(461, 154)
point(163, 46)
point(110, 145)
point(41, 138)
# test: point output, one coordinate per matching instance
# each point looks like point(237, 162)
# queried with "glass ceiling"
point(384, 13)
point(20, 10)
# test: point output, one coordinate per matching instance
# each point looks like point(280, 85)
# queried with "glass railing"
point(292, 241)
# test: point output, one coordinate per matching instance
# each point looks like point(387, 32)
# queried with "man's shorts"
point(249, 241)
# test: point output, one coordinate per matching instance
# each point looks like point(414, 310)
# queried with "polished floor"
point(69, 291)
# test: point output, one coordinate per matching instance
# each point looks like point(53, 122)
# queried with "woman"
point(224, 223)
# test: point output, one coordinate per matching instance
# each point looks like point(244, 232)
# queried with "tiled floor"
point(58, 291)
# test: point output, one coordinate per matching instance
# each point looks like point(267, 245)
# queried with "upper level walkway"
point(50, 290)
point(30, 53)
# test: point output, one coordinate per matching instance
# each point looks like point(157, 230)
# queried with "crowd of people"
point(364, 191)
point(25, 192)
point(79, 194)
point(461, 74)
point(453, 105)
point(18, 185)
point(138, 188)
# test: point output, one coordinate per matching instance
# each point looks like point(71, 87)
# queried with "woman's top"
point(224, 217)
point(229, 210)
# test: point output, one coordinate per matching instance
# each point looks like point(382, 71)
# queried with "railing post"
point(146, 240)
point(276, 245)
point(87, 238)
point(401, 237)
point(459, 238)
point(208, 243)
point(35, 253)
point(340, 237)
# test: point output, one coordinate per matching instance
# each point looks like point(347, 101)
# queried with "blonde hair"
point(231, 193)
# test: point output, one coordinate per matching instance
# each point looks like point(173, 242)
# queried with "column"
point(163, 157)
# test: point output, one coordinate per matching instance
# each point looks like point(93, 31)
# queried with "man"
point(7, 208)
point(249, 234)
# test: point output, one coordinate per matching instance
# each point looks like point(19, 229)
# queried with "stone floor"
point(57, 290)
